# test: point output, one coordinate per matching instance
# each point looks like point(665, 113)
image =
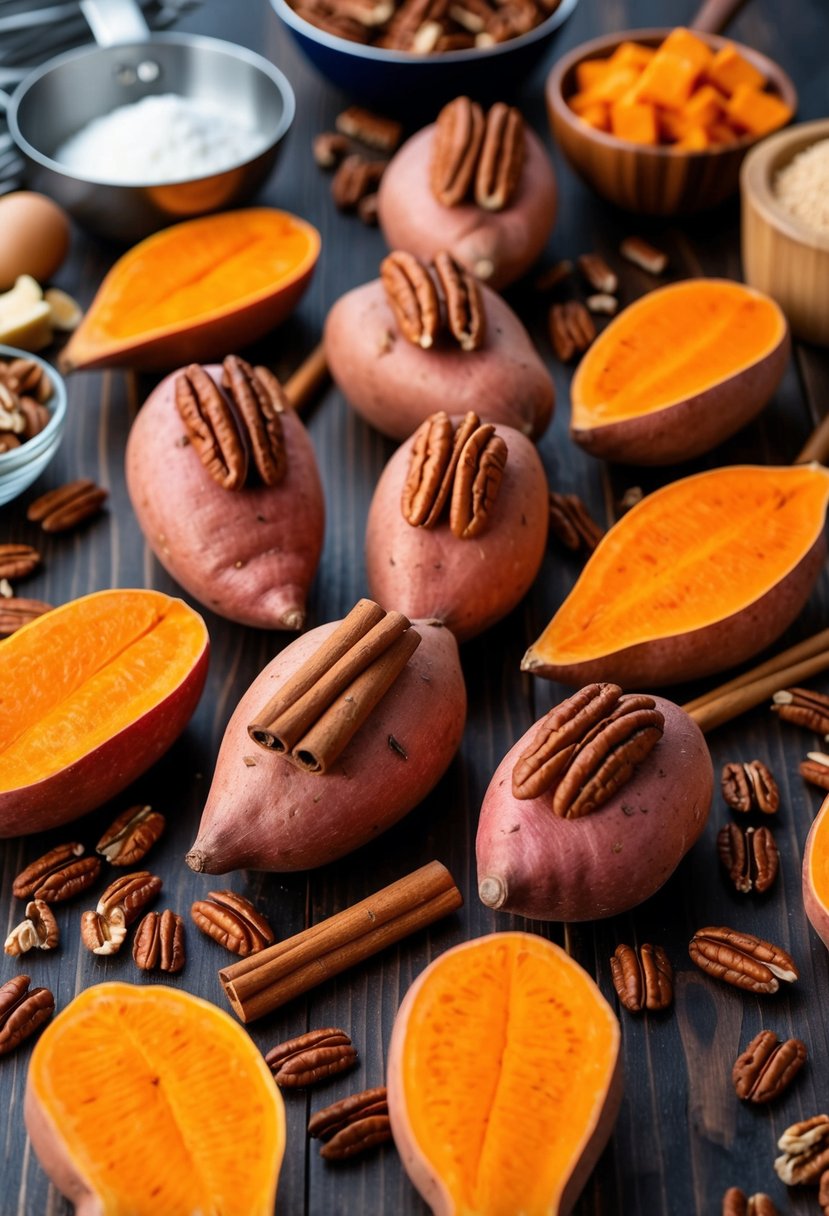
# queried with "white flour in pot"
point(166, 138)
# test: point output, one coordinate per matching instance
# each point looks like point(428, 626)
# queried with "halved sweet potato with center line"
point(816, 874)
point(699, 576)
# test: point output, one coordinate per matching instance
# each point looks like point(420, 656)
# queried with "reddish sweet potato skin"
point(498, 246)
point(538, 865)
point(49, 1146)
point(467, 584)
point(395, 385)
point(816, 911)
point(248, 555)
point(269, 815)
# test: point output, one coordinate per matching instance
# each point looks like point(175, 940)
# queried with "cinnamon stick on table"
point(262, 982)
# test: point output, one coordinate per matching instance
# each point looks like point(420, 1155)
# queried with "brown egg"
point(34, 237)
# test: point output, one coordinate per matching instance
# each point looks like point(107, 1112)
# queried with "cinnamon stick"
point(723, 706)
point(262, 982)
point(815, 645)
point(308, 379)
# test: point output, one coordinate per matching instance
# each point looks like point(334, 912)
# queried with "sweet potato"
point(536, 864)
point(248, 554)
point(468, 584)
point(394, 384)
point(497, 246)
point(815, 877)
point(264, 814)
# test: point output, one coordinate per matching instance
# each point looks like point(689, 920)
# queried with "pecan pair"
point(356, 179)
point(352, 1125)
point(586, 748)
point(571, 524)
point(815, 769)
point(742, 959)
point(477, 155)
point(159, 942)
point(68, 506)
point(749, 856)
point(311, 1057)
point(60, 874)
point(643, 978)
point(15, 613)
point(131, 835)
point(767, 1067)
point(18, 561)
point(571, 329)
point(750, 786)
point(804, 708)
point(233, 922)
point(23, 1010)
point(804, 1157)
point(39, 931)
point(737, 1203)
point(462, 466)
point(416, 301)
point(224, 422)
point(104, 930)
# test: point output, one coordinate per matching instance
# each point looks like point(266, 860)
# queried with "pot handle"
point(714, 15)
point(115, 21)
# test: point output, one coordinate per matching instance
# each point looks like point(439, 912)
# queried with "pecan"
point(260, 402)
point(736, 1203)
point(474, 16)
point(458, 138)
point(749, 856)
point(413, 297)
point(373, 129)
point(311, 1057)
point(8, 441)
point(571, 523)
point(741, 959)
point(643, 978)
point(598, 274)
point(415, 26)
point(553, 276)
point(23, 1010)
point(436, 450)
point(352, 1125)
point(103, 934)
point(324, 18)
point(60, 874)
point(767, 1067)
point(455, 42)
point(355, 178)
point(750, 787)
point(823, 1193)
point(631, 498)
point(131, 836)
point(804, 708)
point(67, 506)
point(211, 427)
point(814, 769)
point(367, 209)
point(233, 922)
point(464, 303)
point(478, 478)
point(329, 148)
point(27, 378)
point(16, 561)
point(6, 591)
point(804, 1151)
point(643, 255)
point(501, 161)
point(571, 329)
point(104, 930)
point(11, 417)
point(16, 613)
point(159, 942)
point(36, 416)
point(39, 931)
point(368, 13)
point(602, 303)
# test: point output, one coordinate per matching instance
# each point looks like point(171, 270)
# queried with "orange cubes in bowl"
point(682, 94)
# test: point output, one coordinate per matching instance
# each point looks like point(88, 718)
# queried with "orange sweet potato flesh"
point(700, 576)
point(193, 292)
point(504, 1078)
point(92, 694)
point(816, 874)
point(152, 1102)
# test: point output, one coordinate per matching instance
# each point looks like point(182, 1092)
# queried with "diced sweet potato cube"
point(673, 125)
point(597, 113)
point(757, 112)
point(695, 139)
point(631, 55)
point(705, 106)
point(722, 133)
point(590, 72)
point(613, 84)
point(688, 46)
point(728, 69)
point(634, 121)
point(668, 80)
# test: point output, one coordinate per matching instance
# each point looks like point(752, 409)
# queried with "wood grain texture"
point(682, 1137)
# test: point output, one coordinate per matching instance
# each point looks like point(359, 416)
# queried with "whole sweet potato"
point(248, 554)
point(394, 384)
point(536, 864)
point(497, 246)
point(262, 813)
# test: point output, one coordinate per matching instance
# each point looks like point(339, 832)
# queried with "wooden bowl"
point(650, 180)
point(782, 255)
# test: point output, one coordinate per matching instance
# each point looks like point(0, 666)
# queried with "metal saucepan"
point(59, 98)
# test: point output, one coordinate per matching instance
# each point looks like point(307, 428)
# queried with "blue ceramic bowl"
point(23, 465)
point(402, 80)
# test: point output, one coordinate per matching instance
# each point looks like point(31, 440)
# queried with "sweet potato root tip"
point(492, 891)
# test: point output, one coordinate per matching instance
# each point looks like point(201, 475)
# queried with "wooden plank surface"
point(681, 1137)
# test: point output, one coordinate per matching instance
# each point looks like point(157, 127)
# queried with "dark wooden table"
point(682, 1137)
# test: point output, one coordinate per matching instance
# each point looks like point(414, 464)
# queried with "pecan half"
point(369, 128)
point(8, 441)
point(25, 377)
point(60, 874)
point(39, 931)
point(16, 613)
point(501, 161)
point(131, 836)
point(814, 769)
point(367, 13)
point(804, 708)
point(23, 1010)
point(742, 959)
point(602, 304)
point(36, 416)
point(571, 329)
point(260, 402)
point(233, 922)
point(103, 934)
point(464, 303)
point(16, 561)
point(330, 148)
point(355, 178)
point(211, 427)
point(750, 787)
point(572, 524)
point(553, 276)
point(67, 506)
point(104, 930)
point(804, 1151)
point(643, 977)
point(643, 255)
point(159, 942)
point(478, 477)
point(368, 209)
point(767, 1067)
point(749, 856)
point(456, 146)
point(436, 450)
point(598, 274)
point(412, 296)
point(736, 1203)
point(352, 1125)
point(311, 1057)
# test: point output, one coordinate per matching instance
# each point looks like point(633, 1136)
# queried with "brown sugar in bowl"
point(660, 180)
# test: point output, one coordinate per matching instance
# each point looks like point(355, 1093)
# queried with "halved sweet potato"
point(816, 874)
point(701, 575)
point(152, 1102)
point(678, 371)
point(196, 290)
point(504, 1078)
point(91, 694)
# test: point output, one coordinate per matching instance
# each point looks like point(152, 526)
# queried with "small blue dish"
point(401, 80)
point(23, 465)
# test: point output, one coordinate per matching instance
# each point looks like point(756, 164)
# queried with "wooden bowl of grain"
point(785, 228)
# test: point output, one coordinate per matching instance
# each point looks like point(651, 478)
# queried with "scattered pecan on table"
point(60, 874)
point(643, 255)
point(67, 506)
point(815, 769)
point(233, 922)
point(643, 978)
point(23, 1010)
point(741, 959)
point(767, 1067)
point(18, 561)
point(158, 944)
point(131, 835)
point(311, 1057)
point(571, 524)
point(39, 931)
point(749, 857)
point(750, 787)
point(571, 329)
point(803, 707)
point(353, 1125)
point(104, 930)
point(737, 1203)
